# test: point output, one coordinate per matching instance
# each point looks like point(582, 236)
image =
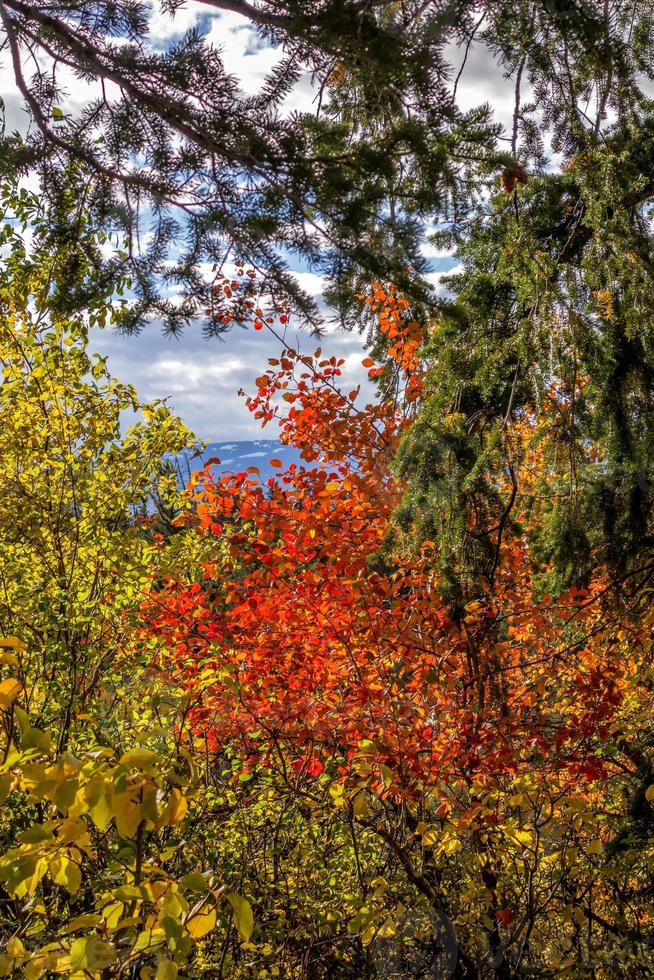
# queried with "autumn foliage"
point(259, 730)
point(476, 739)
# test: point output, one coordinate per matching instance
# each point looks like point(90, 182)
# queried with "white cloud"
point(482, 80)
point(436, 278)
point(201, 377)
point(164, 27)
point(310, 282)
point(242, 53)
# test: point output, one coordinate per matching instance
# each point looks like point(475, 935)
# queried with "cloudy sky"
point(201, 377)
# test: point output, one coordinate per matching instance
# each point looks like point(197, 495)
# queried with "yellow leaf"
point(200, 925)
point(243, 918)
point(6, 782)
point(522, 837)
point(87, 921)
point(35, 968)
point(112, 914)
point(139, 757)
point(360, 806)
point(15, 947)
point(13, 642)
point(595, 847)
point(127, 813)
point(65, 872)
point(73, 829)
point(33, 875)
point(64, 795)
point(97, 795)
point(430, 836)
point(57, 962)
point(174, 810)
point(580, 802)
point(9, 658)
point(6, 965)
point(9, 691)
point(166, 970)
point(91, 953)
point(649, 794)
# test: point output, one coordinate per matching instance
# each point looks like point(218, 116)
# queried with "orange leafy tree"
point(495, 749)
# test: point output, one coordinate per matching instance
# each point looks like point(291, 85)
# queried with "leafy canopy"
point(97, 773)
point(496, 751)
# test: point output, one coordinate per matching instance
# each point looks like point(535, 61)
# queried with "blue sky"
point(200, 377)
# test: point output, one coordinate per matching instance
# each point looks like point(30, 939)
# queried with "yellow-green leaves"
point(243, 917)
point(12, 958)
point(6, 783)
point(93, 829)
point(166, 970)
point(92, 806)
point(91, 953)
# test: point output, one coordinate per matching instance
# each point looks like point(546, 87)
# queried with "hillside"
point(236, 456)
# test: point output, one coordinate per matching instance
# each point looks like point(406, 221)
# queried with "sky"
point(199, 377)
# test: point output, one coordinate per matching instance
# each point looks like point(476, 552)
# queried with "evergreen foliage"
point(169, 139)
point(551, 303)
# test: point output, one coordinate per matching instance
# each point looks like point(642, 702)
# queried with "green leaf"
point(149, 938)
point(195, 882)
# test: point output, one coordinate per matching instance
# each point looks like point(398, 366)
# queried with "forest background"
point(386, 713)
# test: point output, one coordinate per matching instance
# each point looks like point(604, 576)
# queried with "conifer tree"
point(552, 304)
point(169, 138)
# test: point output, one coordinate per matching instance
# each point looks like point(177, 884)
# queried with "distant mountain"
point(236, 456)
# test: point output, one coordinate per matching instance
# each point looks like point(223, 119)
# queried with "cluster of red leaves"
point(406, 335)
point(237, 299)
point(312, 648)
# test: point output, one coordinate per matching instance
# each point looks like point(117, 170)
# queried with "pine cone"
point(512, 176)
